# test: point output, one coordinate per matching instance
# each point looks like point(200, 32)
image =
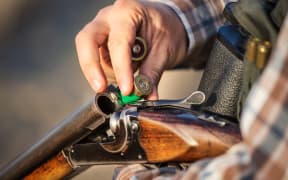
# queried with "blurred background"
point(40, 79)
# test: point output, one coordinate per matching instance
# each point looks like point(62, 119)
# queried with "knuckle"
point(126, 6)
point(83, 34)
point(120, 3)
point(102, 12)
point(78, 37)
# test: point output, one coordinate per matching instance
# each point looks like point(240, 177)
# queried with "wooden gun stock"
point(55, 168)
point(175, 135)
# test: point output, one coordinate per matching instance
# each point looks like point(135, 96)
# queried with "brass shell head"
point(139, 49)
point(142, 85)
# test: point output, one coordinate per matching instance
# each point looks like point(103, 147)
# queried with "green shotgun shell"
point(129, 99)
point(142, 87)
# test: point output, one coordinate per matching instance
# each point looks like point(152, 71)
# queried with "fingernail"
point(124, 89)
point(96, 85)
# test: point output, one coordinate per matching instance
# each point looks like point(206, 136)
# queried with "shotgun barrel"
point(71, 130)
point(66, 133)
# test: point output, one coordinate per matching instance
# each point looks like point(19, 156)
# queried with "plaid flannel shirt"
point(264, 121)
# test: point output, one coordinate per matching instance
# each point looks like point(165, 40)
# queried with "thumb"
point(154, 94)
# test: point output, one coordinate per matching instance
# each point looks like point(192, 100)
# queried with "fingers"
point(104, 48)
point(121, 39)
point(106, 65)
point(88, 41)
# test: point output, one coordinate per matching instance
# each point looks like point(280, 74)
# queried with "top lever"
point(196, 98)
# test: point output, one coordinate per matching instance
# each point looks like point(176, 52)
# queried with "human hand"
point(104, 45)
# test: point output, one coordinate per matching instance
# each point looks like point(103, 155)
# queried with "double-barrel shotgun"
point(106, 131)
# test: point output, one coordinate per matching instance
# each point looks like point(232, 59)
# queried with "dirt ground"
point(40, 79)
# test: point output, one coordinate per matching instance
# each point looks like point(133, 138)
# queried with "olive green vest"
point(263, 20)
